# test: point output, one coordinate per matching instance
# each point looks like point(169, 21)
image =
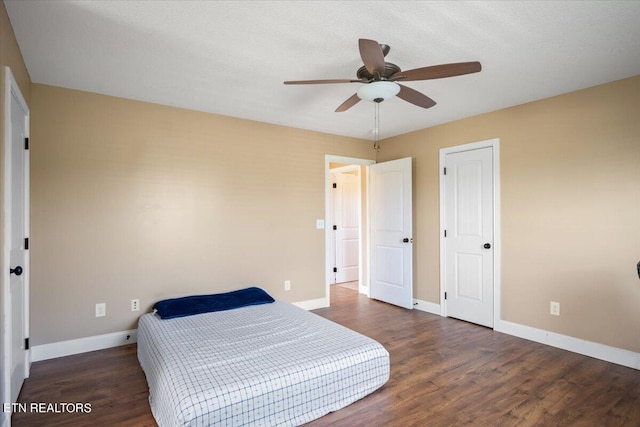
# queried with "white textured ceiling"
point(231, 57)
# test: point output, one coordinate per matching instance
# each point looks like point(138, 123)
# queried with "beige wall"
point(570, 181)
point(135, 200)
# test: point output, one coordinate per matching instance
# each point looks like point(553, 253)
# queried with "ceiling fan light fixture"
point(378, 91)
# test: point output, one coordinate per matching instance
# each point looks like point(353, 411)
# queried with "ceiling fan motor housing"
point(389, 70)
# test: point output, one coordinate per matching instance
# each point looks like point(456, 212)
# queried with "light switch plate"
point(101, 309)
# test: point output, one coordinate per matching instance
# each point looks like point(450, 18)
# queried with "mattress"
point(266, 365)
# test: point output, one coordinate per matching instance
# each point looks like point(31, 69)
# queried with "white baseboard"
point(588, 348)
point(312, 304)
point(82, 345)
point(101, 342)
point(429, 307)
point(604, 352)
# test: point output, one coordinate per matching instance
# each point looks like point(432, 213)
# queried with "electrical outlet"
point(135, 305)
point(101, 309)
point(287, 285)
point(555, 308)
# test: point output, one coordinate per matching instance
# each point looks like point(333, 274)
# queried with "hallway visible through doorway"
point(354, 286)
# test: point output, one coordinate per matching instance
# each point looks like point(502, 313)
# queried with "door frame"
point(497, 243)
point(328, 158)
point(12, 89)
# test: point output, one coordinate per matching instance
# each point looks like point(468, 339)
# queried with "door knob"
point(487, 245)
point(17, 271)
point(407, 240)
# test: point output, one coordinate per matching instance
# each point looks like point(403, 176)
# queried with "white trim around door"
point(495, 144)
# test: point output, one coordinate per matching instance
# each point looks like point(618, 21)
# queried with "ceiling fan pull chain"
point(376, 126)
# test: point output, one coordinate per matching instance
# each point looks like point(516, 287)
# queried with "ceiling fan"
point(380, 78)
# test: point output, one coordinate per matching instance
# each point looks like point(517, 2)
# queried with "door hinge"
point(26, 243)
point(26, 343)
point(445, 295)
point(335, 269)
point(335, 185)
point(26, 143)
point(445, 171)
point(335, 227)
point(445, 233)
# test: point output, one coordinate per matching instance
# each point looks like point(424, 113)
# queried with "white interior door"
point(391, 231)
point(15, 356)
point(469, 218)
point(347, 222)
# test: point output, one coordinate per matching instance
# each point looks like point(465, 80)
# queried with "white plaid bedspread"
point(266, 365)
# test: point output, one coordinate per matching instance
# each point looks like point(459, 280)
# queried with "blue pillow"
point(198, 304)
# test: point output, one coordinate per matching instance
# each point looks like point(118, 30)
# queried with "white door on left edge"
point(391, 232)
point(469, 217)
point(17, 253)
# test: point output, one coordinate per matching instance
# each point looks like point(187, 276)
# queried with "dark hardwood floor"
point(444, 372)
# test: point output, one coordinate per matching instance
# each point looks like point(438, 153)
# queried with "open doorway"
point(346, 226)
point(385, 254)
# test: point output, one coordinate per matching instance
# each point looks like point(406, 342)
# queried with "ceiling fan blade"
point(348, 103)
point(438, 71)
point(372, 56)
point(415, 97)
point(319, 82)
